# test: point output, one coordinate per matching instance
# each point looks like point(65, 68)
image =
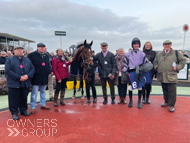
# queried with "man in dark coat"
point(107, 69)
point(3, 58)
point(19, 71)
point(42, 66)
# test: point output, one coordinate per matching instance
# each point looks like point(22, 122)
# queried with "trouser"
point(169, 91)
point(122, 88)
point(17, 99)
point(90, 84)
point(50, 85)
point(111, 84)
point(35, 93)
point(61, 86)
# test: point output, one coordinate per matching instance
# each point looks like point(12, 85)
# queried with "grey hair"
point(59, 49)
point(120, 49)
point(3, 52)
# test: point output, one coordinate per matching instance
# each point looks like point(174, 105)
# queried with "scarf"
point(61, 58)
point(120, 62)
point(148, 53)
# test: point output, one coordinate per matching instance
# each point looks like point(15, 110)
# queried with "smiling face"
point(120, 52)
point(167, 47)
point(104, 48)
point(148, 46)
point(136, 46)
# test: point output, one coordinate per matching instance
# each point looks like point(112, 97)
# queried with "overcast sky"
point(116, 22)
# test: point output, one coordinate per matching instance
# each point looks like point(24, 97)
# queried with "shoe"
point(120, 100)
point(33, 111)
point(164, 104)
point(15, 117)
point(56, 104)
point(95, 100)
point(73, 97)
point(25, 113)
point(62, 102)
point(124, 101)
point(171, 109)
point(105, 101)
point(82, 97)
point(51, 99)
point(88, 100)
point(45, 107)
point(113, 101)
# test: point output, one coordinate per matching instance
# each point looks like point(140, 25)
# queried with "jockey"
point(134, 58)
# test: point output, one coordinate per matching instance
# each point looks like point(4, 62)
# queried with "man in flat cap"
point(19, 71)
point(167, 63)
point(42, 66)
point(107, 69)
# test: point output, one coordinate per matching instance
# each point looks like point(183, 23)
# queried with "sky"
point(116, 22)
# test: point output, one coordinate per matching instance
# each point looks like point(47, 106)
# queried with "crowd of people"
point(38, 67)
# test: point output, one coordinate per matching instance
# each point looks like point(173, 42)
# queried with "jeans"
point(35, 93)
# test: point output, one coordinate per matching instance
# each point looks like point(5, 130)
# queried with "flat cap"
point(41, 45)
point(104, 44)
point(167, 42)
point(18, 46)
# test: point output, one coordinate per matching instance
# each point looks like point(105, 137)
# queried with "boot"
point(55, 99)
point(113, 101)
point(62, 97)
point(124, 100)
point(105, 101)
point(148, 93)
point(88, 100)
point(130, 98)
point(120, 100)
point(139, 99)
point(143, 91)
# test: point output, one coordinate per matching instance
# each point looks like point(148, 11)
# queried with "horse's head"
point(87, 53)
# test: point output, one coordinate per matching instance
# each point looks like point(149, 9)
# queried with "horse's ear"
point(85, 42)
point(91, 43)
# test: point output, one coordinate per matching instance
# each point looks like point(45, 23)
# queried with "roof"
point(15, 37)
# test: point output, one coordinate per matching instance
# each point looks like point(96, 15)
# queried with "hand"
point(51, 73)
point(22, 78)
point(175, 69)
point(71, 59)
point(117, 72)
point(112, 77)
point(59, 81)
point(122, 70)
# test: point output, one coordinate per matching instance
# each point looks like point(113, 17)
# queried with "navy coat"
point(14, 73)
point(41, 72)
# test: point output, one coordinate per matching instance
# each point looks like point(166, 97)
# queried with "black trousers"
point(104, 89)
point(18, 99)
point(169, 90)
point(122, 88)
point(90, 84)
point(61, 86)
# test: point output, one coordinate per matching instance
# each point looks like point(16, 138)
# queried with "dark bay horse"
point(82, 55)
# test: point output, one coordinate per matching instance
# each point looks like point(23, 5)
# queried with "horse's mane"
point(78, 54)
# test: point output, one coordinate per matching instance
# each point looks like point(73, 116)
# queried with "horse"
point(82, 54)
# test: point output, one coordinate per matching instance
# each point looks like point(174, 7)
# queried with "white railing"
point(2, 71)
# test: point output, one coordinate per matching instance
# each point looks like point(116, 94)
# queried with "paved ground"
point(79, 122)
point(156, 90)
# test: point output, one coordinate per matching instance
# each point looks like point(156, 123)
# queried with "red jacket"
point(59, 70)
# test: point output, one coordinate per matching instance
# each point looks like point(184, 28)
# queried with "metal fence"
point(2, 71)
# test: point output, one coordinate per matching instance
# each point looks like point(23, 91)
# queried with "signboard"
point(60, 33)
point(185, 27)
point(184, 73)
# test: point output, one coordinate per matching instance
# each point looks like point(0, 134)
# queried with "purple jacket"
point(133, 59)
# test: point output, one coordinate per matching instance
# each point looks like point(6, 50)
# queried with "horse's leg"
point(74, 96)
point(81, 85)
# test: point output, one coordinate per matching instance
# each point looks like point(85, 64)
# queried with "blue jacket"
point(13, 72)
